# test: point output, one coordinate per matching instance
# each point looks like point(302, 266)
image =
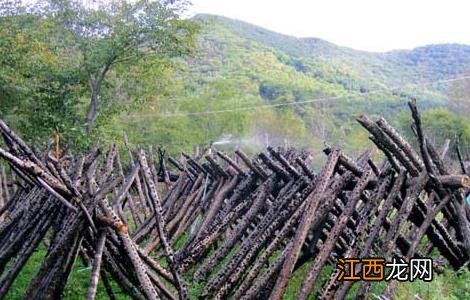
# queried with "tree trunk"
point(92, 108)
point(94, 84)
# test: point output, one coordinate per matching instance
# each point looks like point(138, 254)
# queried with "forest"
point(206, 79)
point(105, 86)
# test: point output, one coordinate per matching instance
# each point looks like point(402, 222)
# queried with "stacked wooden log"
point(237, 225)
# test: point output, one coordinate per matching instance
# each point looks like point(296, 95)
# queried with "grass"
point(76, 287)
point(20, 284)
point(298, 277)
point(448, 285)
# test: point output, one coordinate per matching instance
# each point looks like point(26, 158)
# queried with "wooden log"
point(367, 233)
point(4, 183)
point(263, 281)
point(445, 149)
point(454, 181)
point(166, 292)
point(273, 219)
point(124, 281)
point(305, 168)
point(162, 171)
point(22, 145)
point(50, 279)
point(218, 169)
point(261, 239)
point(57, 196)
point(231, 162)
point(36, 171)
point(158, 213)
point(401, 143)
point(216, 204)
point(274, 167)
point(273, 246)
point(156, 267)
point(95, 273)
point(107, 285)
point(322, 257)
point(347, 163)
point(130, 201)
point(176, 163)
point(250, 164)
point(130, 248)
point(2, 200)
point(108, 166)
point(398, 224)
point(196, 248)
point(143, 200)
point(278, 156)
point(23, 254)
point(389, 291)
point(312, 204)
point(459, 154)
point(388, 143)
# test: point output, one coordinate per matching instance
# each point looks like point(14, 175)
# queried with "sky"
point(371, 25)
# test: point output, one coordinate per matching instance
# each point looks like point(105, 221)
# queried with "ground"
point(448, 285)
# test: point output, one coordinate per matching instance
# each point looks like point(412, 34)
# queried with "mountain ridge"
point(416, 61)
point(255, 85)
point(202, 16)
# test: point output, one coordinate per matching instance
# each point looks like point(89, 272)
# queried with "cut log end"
point(455, 181)
point(465, 181)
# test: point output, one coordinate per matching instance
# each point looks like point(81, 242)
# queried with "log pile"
point(238, 226)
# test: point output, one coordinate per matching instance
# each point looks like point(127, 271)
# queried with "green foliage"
point(440, 124)
point(119, 32)
point(240, 85)
point(62, 60)
point(295, 283)
point(39, 89)
point(245, 82)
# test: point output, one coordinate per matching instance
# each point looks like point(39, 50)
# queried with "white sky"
point(373, 25)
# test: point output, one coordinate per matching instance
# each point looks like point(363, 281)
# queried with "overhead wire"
point(320, 99)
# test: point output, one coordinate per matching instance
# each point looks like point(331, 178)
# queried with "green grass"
point(77, 284)
point(298, 277)
point(448, 285)
point(21, 282)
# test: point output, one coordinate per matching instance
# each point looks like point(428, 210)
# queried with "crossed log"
point(239, 226)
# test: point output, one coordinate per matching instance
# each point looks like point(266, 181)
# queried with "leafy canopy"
point(62, 59)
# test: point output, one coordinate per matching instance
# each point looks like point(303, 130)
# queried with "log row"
point(233, 225)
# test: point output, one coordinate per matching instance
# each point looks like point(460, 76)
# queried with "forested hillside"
point(106, 104)
point(245, 85)
point(239, 85)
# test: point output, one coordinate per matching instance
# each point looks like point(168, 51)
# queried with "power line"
point(321, 99)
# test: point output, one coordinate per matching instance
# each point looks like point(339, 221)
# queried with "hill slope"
point(431, 62)
point(248, 85)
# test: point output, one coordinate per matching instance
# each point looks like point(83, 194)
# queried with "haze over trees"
point(93, 72)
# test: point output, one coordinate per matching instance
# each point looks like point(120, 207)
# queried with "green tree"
point(39, 90)
point(119, 32)
point(62, 60)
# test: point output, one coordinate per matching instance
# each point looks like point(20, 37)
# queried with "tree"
point(459, 96)
point(39, 90)
point(119, 32)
